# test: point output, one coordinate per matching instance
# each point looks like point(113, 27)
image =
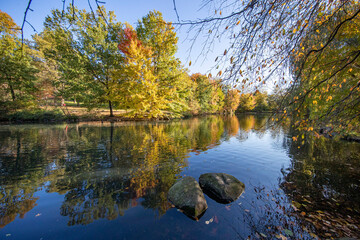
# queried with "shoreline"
point(78, 119)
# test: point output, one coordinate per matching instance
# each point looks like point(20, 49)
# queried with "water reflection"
point(101, 170)
point(323, 181)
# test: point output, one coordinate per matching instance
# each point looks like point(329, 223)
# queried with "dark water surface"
point(110, 181)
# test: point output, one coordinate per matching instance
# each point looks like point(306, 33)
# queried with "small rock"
point(187, 195)
point(221, 187)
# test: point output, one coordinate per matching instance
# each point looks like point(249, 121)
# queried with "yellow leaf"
point(190, 63)
point(238, 23)
point(294, 31)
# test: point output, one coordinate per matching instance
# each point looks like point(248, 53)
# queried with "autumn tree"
point(160, 35)
point(232, 100)
point(137, 83)
point(247, 102)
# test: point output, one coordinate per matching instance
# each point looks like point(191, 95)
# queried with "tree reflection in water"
point(104, 169)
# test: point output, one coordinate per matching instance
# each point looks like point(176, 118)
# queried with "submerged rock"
point(187, 195)
point(221, 187)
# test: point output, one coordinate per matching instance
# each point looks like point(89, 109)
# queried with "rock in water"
point(221, 187)
point(187, 195)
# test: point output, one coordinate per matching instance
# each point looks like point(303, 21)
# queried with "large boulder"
point(221, 187)
point(187, 195)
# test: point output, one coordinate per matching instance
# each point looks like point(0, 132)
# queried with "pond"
point(110, 180)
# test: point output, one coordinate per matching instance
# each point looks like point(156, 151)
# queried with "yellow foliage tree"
point(137, 88)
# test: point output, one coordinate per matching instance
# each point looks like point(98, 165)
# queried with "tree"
point(232, 100)
point(158, 34)
point(86, 50)
point(203, 91)
point(246, 102)
point(139, 87)
point(261, 99)
point(17, 73)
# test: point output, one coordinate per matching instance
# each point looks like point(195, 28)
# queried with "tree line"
point(92, 58)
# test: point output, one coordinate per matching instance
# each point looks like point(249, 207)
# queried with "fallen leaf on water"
point(263, 235)
point(314, 235)
point(227, 207)
point(210, 221)
point(37, 215)
point(247, 210)
point(280, 236)
point(289, 232)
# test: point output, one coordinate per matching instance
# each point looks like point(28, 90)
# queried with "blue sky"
point(126, 11)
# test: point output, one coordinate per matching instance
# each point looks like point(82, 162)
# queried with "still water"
point(110, 180)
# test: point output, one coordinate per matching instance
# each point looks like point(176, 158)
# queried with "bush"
point(36, 115)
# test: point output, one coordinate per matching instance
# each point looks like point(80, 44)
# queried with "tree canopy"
point(304, 47)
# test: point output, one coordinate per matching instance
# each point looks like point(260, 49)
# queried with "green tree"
point(17, 73)
point(203, 91)
point(86, 50)
point(261, 99)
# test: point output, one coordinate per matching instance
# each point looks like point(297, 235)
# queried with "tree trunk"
point(12, 92)
point(111, 110)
